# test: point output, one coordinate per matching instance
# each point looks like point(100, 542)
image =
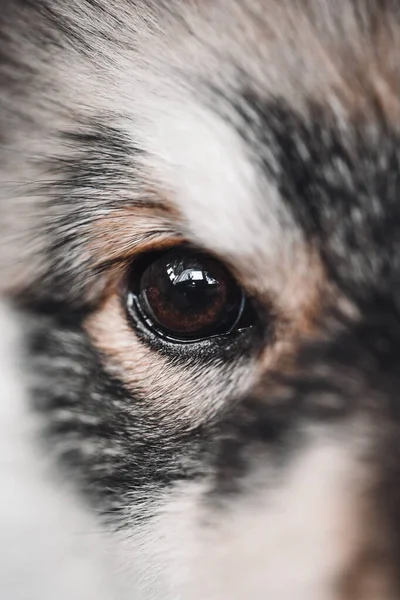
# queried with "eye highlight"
point(186, 296)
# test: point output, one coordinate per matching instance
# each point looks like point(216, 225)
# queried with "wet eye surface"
point(187, 296)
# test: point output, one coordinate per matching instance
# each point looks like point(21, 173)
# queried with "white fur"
point(292, 540)
point(50, 548)
point(206, 169)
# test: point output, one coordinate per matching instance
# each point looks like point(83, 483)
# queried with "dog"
point(200, 254)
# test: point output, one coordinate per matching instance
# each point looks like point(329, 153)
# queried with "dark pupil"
point(188, 295)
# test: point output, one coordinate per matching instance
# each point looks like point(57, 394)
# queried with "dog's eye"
point(187, 296)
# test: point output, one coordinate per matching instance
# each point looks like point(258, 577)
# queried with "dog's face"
point(200, 227)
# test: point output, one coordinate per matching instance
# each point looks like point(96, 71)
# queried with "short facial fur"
point(266, 133)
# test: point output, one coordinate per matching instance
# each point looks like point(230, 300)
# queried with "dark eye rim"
point(134, 304)
point(247, 314)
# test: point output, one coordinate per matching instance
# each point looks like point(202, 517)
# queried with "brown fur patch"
point(119, 235)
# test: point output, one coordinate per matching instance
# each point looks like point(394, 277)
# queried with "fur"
point(265, 133)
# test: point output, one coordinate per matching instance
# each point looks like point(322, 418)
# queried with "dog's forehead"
point(188, 94)
point(212, 178)
point(224, 161)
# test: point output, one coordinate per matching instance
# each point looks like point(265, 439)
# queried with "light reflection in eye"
point(191, 275)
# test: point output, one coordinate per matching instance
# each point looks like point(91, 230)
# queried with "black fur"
point(107, 438)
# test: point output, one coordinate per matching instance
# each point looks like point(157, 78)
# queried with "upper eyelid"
point(125, 233)
point(154, 242)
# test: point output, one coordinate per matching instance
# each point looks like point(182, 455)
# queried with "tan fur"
point(176, 393)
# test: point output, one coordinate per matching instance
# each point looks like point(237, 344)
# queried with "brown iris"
point(186, 295)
